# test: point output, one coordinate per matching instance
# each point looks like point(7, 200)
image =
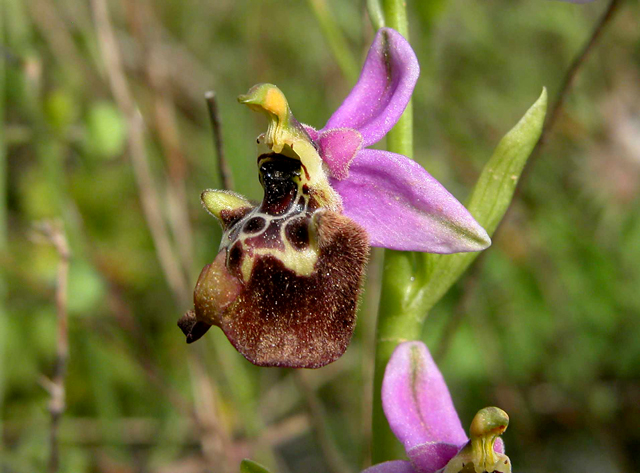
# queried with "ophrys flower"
point(285, 284)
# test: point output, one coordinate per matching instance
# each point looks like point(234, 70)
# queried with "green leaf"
point(249, 466)
point(489, 201)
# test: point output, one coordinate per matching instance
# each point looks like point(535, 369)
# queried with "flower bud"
point(479, 453)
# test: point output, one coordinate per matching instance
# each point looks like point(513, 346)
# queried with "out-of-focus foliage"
point(545, 326)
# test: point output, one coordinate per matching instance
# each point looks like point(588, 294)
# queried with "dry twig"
point(318, 417)
point(53, 233)
point(223, 166)
point(136, 143)
point(212, 437)
point(571, 74)
point(146, 29)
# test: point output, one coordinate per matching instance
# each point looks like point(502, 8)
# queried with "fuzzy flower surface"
point(285, 284)
point(421, 414)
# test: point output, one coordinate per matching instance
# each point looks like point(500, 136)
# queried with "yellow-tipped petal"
point(267, 97)
point(221, 203)
point(489, 421)
point(270, 100)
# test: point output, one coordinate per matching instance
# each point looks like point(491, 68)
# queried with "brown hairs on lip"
point(284, 319)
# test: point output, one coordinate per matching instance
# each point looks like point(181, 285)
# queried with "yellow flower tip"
point(490, 421)
point(268, 98)
point(282, 128)
point(479, 455)
point(224, 205)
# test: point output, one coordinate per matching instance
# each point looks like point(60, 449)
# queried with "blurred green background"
point(544, 325)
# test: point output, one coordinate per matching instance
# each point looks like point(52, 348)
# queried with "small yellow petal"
point(217, 202)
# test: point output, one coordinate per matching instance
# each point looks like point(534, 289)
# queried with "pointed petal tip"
point(542, 100)
point(256, 93)
point(403, 207)
point(474, 239)
point(267, 98)
point(383, 90)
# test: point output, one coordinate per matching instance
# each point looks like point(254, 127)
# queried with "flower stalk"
point(414, 282)
point(395, 322)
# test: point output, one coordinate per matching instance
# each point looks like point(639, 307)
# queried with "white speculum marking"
point(301, 260)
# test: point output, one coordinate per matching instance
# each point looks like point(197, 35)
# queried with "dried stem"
point(332, 456)
point(216, 447)
point(46, 16)
point(210, 432)
point(223, 166)
point(54, 234)
point(144, 27)
point(572, 73)
point(148, 192)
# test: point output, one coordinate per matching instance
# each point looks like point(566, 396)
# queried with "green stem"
point(3, 155)
point(400, 139)
point(3, 223)
point(336, 39)
point(397, 321)
point(376, 14)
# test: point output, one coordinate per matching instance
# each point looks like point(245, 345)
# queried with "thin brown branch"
point(54, 234)
point(572, 73)
point(136, 144)
point(148, 193)
point(223, 166)
point(331, 454)
point(216, 447)
point(209, 431)
point(146, 30)
point(55, 30)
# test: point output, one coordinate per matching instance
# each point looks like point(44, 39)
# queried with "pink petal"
point(383, 91)
point(430, 457)
point(396, 466)
point(403, 207)
point(416, 400)
point(338, 147)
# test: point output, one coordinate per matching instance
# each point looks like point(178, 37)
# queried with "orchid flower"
point(285, 284)
point(418, 406)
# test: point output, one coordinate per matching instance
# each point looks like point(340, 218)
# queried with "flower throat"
point(280, 226)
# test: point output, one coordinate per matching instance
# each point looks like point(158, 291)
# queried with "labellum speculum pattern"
point(285, 284)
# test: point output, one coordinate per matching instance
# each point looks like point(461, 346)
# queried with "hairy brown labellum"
point(285, 284)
